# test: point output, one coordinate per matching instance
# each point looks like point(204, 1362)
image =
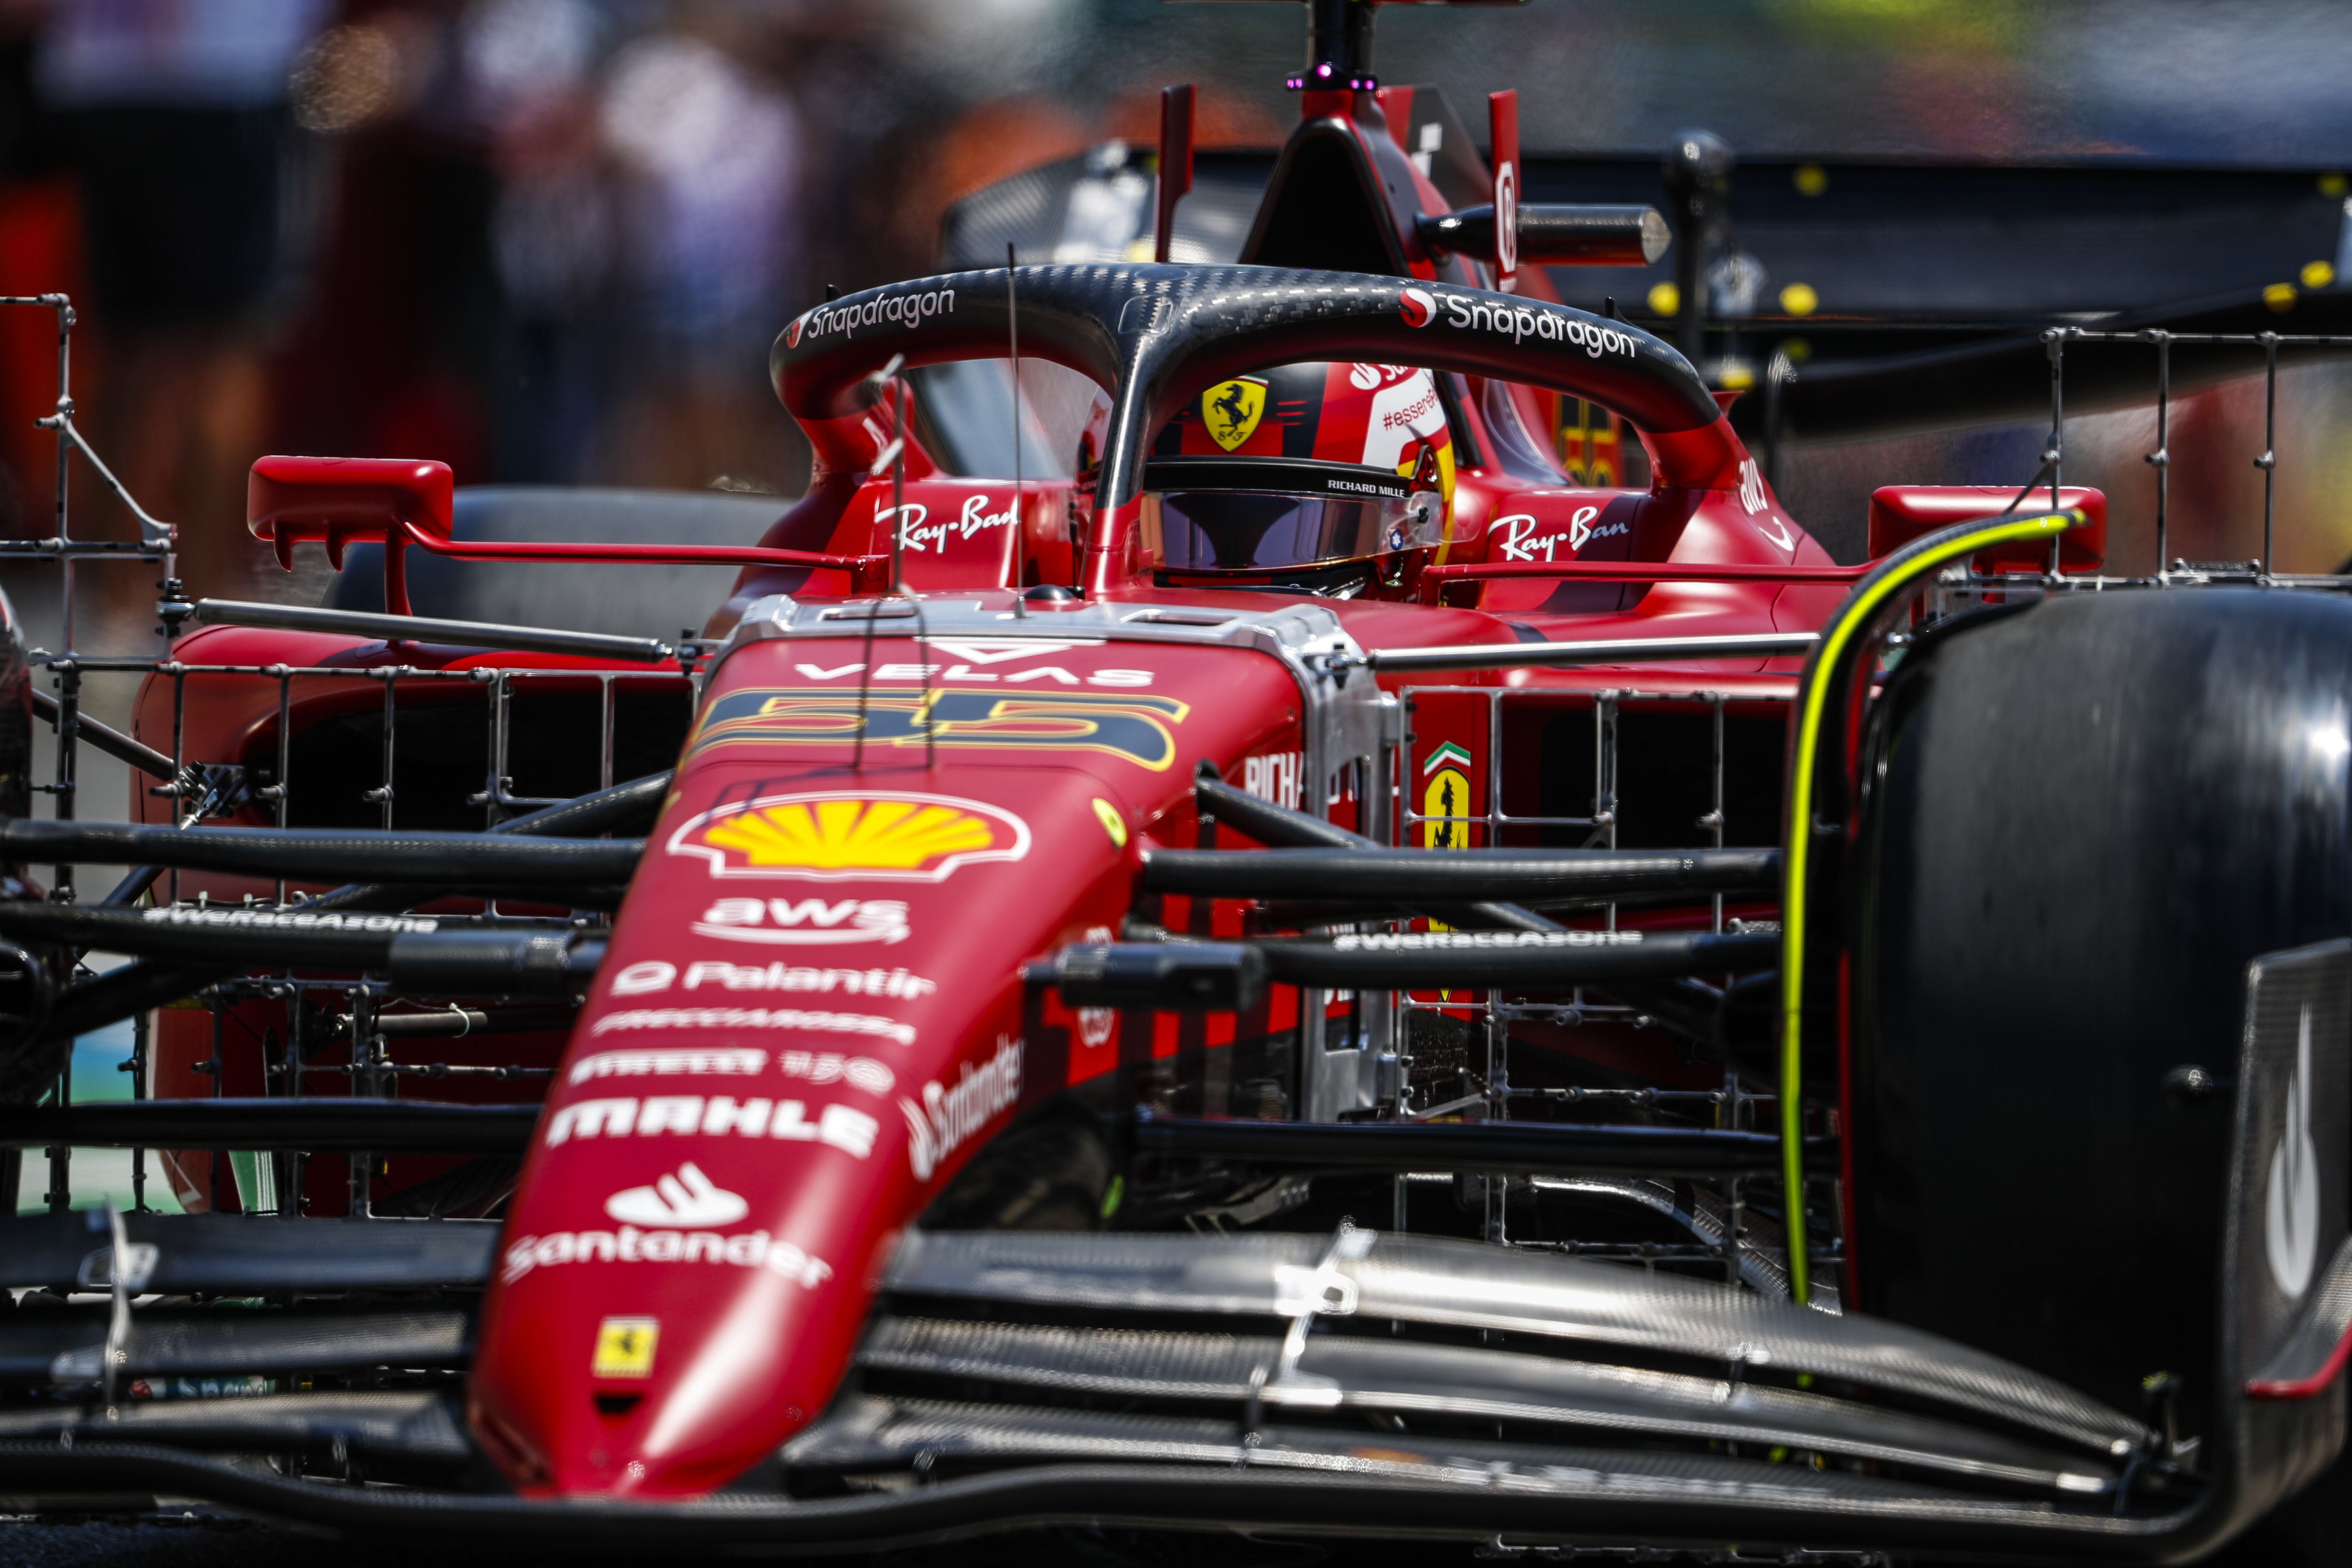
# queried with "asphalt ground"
point(2313, 1532)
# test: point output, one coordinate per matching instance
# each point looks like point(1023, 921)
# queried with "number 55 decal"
point(1133, 726)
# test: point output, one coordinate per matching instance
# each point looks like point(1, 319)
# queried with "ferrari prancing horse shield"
point(1231, 409)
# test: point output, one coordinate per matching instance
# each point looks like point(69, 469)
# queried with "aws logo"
point(1136, 727)
point(829, 837)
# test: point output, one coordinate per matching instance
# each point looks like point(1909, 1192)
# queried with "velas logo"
point(831, 838)
point(681, 1202)
point(997, 650)
point(1417, 307)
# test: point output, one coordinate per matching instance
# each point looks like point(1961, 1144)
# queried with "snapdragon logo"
point(1521, 322)
point(905, 310)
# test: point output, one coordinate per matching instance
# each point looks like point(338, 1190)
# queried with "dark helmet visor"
point(1244, 515)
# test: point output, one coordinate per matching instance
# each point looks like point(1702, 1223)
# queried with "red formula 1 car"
point(1302, 971)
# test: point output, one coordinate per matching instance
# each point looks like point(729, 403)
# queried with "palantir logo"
point(1417, 307)
point(687, 1198)
point(2291, 1215)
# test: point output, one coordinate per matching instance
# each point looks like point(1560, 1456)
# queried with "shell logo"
point(1417, 307)
point(834, 837)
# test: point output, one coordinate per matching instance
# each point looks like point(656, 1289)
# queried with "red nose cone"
point(667, 1338)
point(810, 1014)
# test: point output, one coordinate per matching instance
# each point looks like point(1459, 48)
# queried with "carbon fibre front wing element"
point(1343, 1384)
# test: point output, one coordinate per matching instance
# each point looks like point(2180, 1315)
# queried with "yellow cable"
point(1851, 616)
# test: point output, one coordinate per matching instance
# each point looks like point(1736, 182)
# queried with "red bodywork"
point(810, 1014)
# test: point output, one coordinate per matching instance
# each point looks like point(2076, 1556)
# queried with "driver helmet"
point(1313, 477)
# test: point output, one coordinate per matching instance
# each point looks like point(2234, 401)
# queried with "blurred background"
point(550, 241)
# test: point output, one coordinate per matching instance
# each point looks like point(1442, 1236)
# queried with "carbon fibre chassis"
point(1269, 1458)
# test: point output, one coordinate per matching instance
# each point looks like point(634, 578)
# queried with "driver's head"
point(1303, 474)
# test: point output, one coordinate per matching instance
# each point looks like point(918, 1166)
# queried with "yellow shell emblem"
point(1231, 410)
point(837, 837)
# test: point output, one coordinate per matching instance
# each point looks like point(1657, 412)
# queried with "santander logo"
point(687, 1198)
point(1417, 307)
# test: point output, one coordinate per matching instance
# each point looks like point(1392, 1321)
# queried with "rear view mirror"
point(334, 500)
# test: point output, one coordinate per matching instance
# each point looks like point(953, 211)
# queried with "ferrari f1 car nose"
point(810, 1016)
